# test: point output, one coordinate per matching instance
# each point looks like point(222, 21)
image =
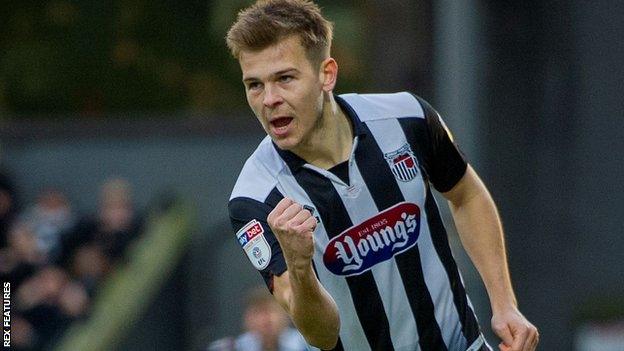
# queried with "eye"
point(285, 78)
point(254, 86)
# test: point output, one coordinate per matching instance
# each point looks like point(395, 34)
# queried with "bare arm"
point(481, 234)
point(310, 306)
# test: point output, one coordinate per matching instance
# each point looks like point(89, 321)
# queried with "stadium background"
point(146, 91)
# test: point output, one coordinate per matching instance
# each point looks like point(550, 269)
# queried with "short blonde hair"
point(267, 22)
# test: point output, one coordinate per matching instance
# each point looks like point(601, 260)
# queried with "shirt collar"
point(358, 126)
point(295, 162)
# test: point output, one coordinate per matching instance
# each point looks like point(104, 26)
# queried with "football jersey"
point(381, 250)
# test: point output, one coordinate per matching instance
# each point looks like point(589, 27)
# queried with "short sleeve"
point(445, 163)
point(249, 220)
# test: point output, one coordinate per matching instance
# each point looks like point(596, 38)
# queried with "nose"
point(271, 97)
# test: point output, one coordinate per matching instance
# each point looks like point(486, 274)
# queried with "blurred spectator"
point(49, 217)
point(45, 305)
point(8, 205)
point(267, 327)
point(22, 334)
point(21, 257)
point(97, 243)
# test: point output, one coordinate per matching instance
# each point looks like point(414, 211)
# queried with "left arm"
point(481, 234)
point(479, 228)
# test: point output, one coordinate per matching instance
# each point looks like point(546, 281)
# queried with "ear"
point(329, 74)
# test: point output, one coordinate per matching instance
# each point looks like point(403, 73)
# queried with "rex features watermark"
point(6, 314)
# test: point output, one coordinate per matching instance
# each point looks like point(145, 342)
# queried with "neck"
point(332, 138)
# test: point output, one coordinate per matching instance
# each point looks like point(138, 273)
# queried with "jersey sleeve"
point(445, 163)
point(249, 220)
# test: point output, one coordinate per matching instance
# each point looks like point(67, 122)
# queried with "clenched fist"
point(515, 331)
point(293, 227)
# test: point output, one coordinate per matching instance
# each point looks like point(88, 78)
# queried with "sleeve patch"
point(252, 240)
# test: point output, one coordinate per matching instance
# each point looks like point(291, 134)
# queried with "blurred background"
point(123, 126)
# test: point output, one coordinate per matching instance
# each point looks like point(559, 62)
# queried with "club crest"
point(403, 164)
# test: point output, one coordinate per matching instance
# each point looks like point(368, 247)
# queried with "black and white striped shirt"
point(381, 248)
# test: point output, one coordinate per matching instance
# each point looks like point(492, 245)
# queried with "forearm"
point(311, 308)
point(481, 234)
point(309, 305)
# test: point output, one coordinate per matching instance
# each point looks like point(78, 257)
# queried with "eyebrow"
point(278, 73)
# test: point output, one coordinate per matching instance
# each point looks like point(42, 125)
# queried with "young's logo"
point(403, 164)
point(252, 240)
point(359, 248)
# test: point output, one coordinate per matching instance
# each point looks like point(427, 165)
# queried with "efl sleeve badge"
point(252, 240)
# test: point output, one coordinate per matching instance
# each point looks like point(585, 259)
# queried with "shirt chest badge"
point(402, 162)
point(377, 239)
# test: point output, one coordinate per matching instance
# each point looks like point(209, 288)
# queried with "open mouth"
point(281, 122)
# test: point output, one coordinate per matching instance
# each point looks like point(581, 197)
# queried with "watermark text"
point(6, 314)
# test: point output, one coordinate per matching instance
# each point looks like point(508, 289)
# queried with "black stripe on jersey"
point(386, 193)
point(444, 162)
point(366, 298)
point(470, 327)
point(339, 346)
point(274, 198)
point(416, 130)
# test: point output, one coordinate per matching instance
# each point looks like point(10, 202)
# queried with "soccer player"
point(335, 209)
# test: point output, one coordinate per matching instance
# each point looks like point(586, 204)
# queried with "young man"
point(335, 210)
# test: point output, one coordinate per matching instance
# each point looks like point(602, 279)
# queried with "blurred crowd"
point(56, 258)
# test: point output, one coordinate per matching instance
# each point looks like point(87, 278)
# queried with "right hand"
point(293, 227)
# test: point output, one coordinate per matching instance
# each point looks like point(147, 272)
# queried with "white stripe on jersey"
point(351, 331)
point(446, 314)
point(385, 105)
point(403, 330)
point(262, 166)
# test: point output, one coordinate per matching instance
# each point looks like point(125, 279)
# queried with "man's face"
point(284, 90)
point(267, 320)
